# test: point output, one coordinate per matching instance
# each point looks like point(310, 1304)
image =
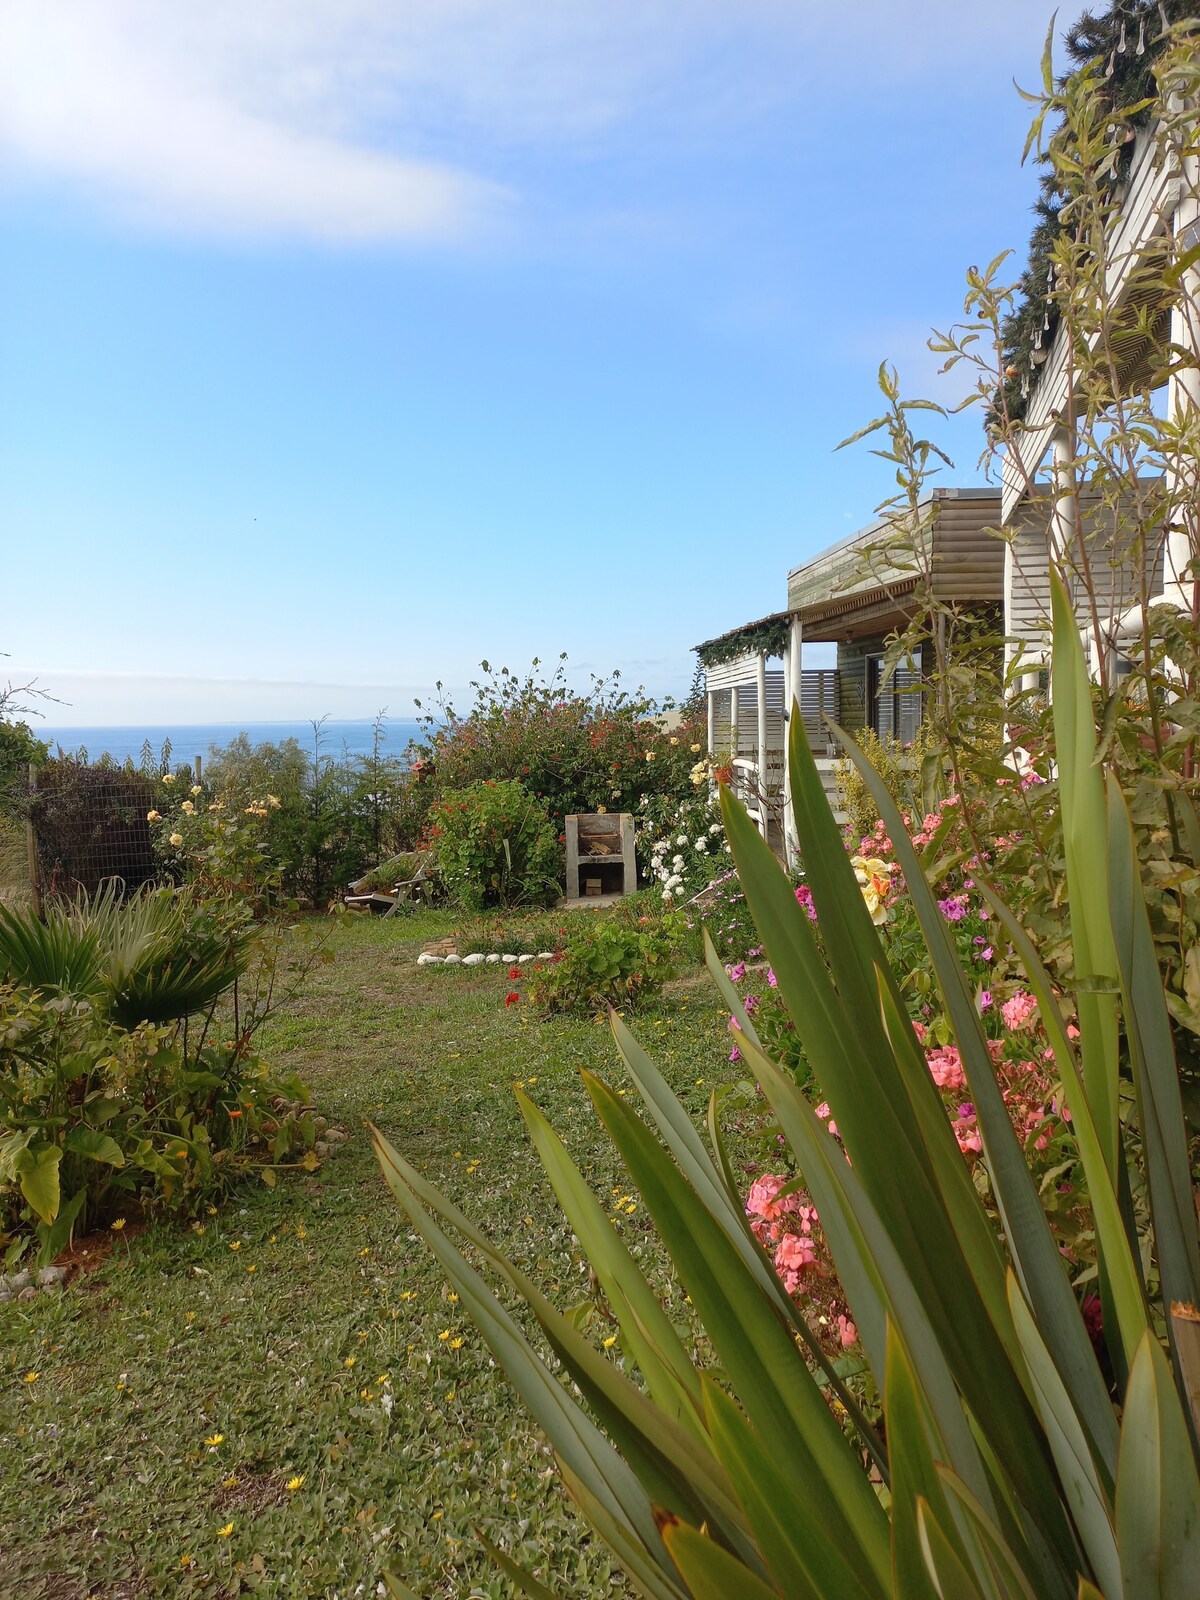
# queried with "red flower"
point(514, 972)
point(511, 999)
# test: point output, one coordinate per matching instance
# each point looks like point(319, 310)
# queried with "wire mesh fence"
point(89, 826)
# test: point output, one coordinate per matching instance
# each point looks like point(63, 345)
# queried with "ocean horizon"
point(338, 737)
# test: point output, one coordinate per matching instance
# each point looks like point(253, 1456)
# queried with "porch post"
point(710, 697)
point(794, 691)
point(734, 738)
point(761, 666)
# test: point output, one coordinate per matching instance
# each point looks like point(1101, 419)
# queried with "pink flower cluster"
point(1027, 1091)
point(787, 1224)
point(784, 1221)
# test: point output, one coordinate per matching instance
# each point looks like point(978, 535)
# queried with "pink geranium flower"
point(1017, 1011)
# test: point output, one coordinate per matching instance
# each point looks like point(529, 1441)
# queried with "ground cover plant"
point(207, 1415)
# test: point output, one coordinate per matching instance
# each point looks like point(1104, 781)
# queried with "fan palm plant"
point(152, 957)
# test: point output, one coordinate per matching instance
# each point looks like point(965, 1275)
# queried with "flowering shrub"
point(217, 845)
point(495, 846)
point(681, 843)
point(575, 752)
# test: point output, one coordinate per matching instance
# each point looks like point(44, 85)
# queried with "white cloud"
point(99, 96)
point(358, 120)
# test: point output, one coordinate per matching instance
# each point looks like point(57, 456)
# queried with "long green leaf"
point(1158, 1489)
point(943, 1571)
point(652, 1580)
point(1032, 1245)
point(767, 1495)
point(709, 1572)
point(1087, 1495)
point(684, 1143)
point(847, 1530)
point(1124, 1282)
point(529, 1586)
point(649, 1336)
point(1085, 829)
point(872, 1091)
point(675, 1466)
point(577, 1440)
point(917, 1494)
point(1155, 1072)
point(872, 1272)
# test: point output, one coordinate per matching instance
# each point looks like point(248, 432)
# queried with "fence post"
point(199, 768)
point(35, 885)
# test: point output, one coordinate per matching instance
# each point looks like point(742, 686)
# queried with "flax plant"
point(1014, 1462)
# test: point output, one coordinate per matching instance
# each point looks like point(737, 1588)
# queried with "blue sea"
point(337, 738)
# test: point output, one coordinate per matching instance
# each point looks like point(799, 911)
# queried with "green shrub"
point(607, 962)
point(94, 1118)
point(495, 846)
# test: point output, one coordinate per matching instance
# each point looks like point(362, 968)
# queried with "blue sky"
point(345, 343)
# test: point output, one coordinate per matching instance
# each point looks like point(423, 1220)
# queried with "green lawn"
point(306, 1330)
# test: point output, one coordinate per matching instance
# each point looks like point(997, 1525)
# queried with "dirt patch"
point(85, 1255)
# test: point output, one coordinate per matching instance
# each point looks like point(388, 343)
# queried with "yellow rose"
point(176, 839)
point(696, 749)
point(188, 809)
point(168, 777)
point(274, 802)
point(649, 755)
point(154, 816)
point(196, 789)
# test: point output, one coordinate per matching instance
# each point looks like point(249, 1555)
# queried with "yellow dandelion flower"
point(295, 1483)
point(452, 1297)
point(229, 1483)
point(384, 1377)
point(456, 1344)
point(235, 1244)
point(118, 1224)
point(349, 1361)
point(251, 1267)
point(214, 1439)
point(365, 1394)
point(32, 1377)
point(437, 1516)
point(223, 1533)
point(189, 1316)
point(610, 1341)
point(445, 1334)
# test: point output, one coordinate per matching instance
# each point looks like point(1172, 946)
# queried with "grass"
point(286, 1399)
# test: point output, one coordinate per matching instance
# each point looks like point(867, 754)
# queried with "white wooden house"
point(1054, 519)
point(856, 594)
